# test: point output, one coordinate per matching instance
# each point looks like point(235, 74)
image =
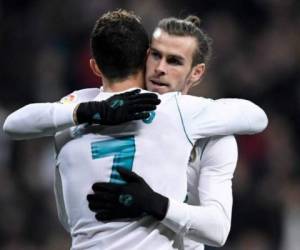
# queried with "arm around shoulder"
point(45, 119)
point(39, 120)
point(204, 117)
point(255, 115)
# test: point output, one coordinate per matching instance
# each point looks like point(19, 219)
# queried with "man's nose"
point(161, 67)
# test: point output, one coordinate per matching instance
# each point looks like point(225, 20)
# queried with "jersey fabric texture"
point(157, 149)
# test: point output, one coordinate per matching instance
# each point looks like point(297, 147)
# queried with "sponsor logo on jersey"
point(68, 99)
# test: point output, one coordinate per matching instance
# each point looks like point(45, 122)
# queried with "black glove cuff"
point(159, 206)
point(86, 112)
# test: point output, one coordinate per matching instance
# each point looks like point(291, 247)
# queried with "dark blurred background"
point(44, 51)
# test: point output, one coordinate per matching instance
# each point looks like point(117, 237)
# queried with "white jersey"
point(158, 149)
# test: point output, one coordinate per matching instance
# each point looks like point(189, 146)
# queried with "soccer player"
point(91, 151)
point(177, 57)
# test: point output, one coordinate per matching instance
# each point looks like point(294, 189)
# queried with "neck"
point(133, 81)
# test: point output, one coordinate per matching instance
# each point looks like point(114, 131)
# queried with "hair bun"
point(194, 19)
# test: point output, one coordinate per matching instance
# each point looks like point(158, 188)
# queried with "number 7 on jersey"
point(123, 150)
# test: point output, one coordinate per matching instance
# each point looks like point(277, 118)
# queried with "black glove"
point(117, 109)
point(114, 201)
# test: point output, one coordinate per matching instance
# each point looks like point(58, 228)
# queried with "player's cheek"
point(150, 63)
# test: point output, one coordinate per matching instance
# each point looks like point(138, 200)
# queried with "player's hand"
point(117, 109)
point(135, 198)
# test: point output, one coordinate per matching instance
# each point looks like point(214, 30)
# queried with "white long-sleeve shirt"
point(223, 116)
point(206, 219)
point(200, 118)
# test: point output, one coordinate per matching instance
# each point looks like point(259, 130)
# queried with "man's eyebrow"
point(156, 50)
point(178, 57)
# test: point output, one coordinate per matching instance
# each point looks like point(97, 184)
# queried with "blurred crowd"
point(44, 47)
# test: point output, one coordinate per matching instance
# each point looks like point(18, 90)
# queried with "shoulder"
point(167, 96)
point(188, 100)
point(184, 99)
point(82, 95)
point(192, 107)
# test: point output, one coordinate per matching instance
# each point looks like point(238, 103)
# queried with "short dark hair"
point(119, 44)
point(190, 26)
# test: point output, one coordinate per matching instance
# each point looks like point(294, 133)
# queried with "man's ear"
point(194, 78)
point(197, 73)
point(94, 67)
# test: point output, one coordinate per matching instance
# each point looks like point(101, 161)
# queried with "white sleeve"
point(209, 221)
point(45, 119)
point(206, 117)
point(39, 120)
